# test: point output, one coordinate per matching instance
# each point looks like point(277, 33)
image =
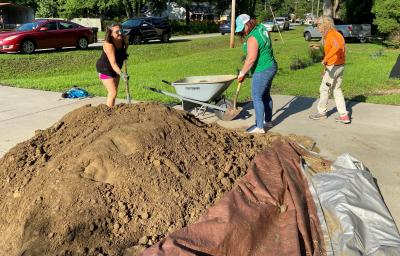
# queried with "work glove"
point(241, 77)
point(124, 76)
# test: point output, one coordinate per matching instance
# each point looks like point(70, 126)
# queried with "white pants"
point(332, 81)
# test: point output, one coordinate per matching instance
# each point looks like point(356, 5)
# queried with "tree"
point(222, 5)
point(31, 3)
point(187, 5)
point(328, 8)
point(47, 9)
point(387, 13)
point(359, 11)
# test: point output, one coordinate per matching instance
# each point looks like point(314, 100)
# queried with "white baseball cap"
point(240, 21)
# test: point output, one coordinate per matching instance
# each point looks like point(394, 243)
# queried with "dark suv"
point(148, 28)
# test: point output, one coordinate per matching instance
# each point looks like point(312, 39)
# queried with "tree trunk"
point(253, 8)
point(133, 8)
point(137, 7)
point(128, 9)
point(335, 8)
point(328, 8)
point(187, 10)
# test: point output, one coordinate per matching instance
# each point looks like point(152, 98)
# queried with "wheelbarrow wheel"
point(225, 104)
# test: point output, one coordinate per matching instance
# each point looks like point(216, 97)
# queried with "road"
point(174, 38)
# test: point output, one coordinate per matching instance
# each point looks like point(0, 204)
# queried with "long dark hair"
point(251, 24)
point(108, 38)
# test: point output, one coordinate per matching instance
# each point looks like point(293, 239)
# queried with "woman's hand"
point(241, 77)
point(124, 76)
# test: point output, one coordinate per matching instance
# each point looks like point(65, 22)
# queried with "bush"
point(194, 27)
point(315, 55)
point(387, 13)
point(300, 63)
point(377, 54)
point(393, 40)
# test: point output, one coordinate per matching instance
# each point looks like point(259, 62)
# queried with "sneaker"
point(317, 116)
point(343, 119)
point(268, 125)
point(255, 129)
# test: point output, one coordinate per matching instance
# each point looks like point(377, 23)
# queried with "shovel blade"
point(231, 113)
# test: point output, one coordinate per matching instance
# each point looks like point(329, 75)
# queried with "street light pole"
point(232, 42)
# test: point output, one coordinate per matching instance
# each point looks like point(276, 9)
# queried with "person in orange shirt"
point(333, 62)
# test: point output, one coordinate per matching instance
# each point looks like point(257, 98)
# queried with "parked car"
point(225, 27)
point(349, 31)
point(146, 29)
point(271, 26)
point(283, 23)
point(43, 34)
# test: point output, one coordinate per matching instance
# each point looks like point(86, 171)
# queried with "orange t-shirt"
point(334, 48)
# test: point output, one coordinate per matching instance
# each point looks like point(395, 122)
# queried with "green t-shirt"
point(265, 58)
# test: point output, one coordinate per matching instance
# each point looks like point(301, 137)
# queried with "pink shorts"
point(104, 77)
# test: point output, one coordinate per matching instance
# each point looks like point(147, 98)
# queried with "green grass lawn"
point(101, 35)
point(365, 78)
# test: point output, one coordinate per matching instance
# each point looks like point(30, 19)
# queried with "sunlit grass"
point(365, 74)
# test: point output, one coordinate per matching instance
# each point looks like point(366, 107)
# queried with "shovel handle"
point(236, 94)
point(128, 93)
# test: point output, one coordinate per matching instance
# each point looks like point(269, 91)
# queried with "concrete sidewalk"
point(373, 136)
point(22, 111)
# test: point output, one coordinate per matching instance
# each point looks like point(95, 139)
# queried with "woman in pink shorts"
point(111, 60)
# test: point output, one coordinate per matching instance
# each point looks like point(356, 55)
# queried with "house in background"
point(12, 15)
point(203, 11)
point(198, 11)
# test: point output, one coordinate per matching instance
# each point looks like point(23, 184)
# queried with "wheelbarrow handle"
point(166, 82)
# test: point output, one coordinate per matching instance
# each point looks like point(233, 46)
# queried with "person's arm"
point(110, 52)
point(252, 54)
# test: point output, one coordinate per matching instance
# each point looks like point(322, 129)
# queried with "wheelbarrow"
point(203, 92)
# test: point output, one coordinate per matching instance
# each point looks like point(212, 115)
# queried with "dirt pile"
point(108, 181)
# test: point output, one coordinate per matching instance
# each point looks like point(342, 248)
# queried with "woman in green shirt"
point(260, 61)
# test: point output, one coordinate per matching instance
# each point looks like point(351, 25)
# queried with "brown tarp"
point(269, 212)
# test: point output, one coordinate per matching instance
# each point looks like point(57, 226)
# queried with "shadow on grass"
point(295, 105)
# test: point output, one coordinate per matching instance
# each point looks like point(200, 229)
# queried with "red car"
point(43, 34)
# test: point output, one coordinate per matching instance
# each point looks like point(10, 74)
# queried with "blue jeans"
point(260, 92)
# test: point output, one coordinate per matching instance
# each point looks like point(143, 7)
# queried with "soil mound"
point(103, 180)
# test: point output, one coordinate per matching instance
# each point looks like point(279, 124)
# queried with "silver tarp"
point(358, 220)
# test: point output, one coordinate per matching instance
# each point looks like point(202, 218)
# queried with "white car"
point(283, 23)
point(271, 27)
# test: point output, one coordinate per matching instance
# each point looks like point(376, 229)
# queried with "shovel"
point(234, 111)
point(128, 94)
